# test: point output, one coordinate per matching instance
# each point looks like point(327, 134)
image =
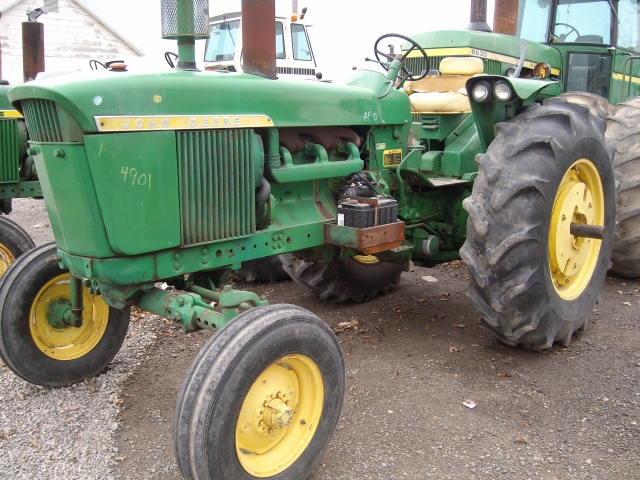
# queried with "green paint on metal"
point(144, 216)
point(20, 190)
point(73, 207)
point(57, 311)
point(12, 144)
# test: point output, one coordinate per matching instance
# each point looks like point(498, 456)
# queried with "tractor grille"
point(416, 65)
point(216, 185)
point(42, 120)
point(9, 153)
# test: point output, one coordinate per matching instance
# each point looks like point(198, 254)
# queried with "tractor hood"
point(4, 101)
point(491, 46)
point(89, 95)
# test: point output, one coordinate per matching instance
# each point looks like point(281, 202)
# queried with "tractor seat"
point(445, 93)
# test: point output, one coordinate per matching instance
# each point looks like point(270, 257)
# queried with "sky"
point(342, 35)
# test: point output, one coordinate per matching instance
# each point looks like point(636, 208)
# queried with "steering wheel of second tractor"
point(171, 57)
point(403, 74)
point(563, 36)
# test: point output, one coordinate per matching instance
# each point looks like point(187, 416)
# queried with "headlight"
point(481, 92)
point(542, 70)
point(502, 91)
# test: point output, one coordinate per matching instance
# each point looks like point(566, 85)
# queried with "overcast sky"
point(342, 35)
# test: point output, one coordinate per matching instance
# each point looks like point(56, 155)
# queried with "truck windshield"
point(583, 22)
point(221, 44)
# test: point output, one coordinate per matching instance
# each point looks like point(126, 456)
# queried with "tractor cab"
point(294, 56)
point(597, 40)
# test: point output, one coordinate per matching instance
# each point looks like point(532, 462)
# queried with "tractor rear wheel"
point(14, 242)
point(35, 343)
point(261, 399)
point(533, 281)
point(355, 278)
point(623, 134)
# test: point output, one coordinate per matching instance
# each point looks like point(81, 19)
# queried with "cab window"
point(280, 53)
point(301, 49)
point(583, 22)
point(628, 18)
point(533, 17)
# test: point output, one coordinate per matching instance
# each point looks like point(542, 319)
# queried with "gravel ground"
point(418, 353)
point(67, 432)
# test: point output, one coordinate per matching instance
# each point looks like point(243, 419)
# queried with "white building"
point(72, 36)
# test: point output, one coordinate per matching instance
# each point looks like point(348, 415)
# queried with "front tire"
point(623, 134)
point(261, 399)
point(34, 343)
point(354, 278)
point(14, 242)
point(533, 281)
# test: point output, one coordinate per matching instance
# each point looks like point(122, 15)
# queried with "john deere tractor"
point(484, 154)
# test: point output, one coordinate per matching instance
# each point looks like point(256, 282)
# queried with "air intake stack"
point(186, 21)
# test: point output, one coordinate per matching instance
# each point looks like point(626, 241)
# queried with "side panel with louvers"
point(42, 120)
point(216, 185)
point(9, 153)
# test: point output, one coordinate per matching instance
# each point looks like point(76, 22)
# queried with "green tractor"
point(182, 176)
point(18, 179)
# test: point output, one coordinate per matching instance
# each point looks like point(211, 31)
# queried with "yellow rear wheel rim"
point(366, 259)
point(279, 415)
point(6, 259)
point(68, 343)
point(579, 199)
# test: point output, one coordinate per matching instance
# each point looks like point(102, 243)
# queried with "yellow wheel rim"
point(6, 259)
point(580, 199)
point(67, 343)
point(279, 415)
point(366, 259)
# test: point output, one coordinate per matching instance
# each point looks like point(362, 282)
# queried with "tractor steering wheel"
point(93, 64)
point(562, 37)
point(403, 74)
point(170, 57)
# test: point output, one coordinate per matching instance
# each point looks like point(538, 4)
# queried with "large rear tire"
point(14, 242)
point(623, 134)
point(261, 399)
point(34, 342)
point(354, 278)
point(533, 281)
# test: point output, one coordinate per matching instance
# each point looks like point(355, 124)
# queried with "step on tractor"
point(503, 150)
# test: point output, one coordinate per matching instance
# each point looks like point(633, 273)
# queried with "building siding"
point(72, 37)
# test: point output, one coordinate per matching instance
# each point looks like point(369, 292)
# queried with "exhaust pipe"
point(259, 38)
point(479, 16)
point(505, 17)
point(32, 50)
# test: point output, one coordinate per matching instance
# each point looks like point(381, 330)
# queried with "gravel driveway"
point(414, 358)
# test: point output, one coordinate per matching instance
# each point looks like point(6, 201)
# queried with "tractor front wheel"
point(533, 278)
point(14, 242)
point(354, 278)
point(35, 343)
point(261, 399)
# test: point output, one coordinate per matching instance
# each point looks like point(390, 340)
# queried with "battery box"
point(367, 212)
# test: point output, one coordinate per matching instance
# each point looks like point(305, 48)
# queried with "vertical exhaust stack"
point(259, 38)
point(186, 21)
point(32, 49)
point(505, 17)
point(479, 16)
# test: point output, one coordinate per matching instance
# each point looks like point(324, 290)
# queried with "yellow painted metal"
point(10, 114)
point(67, 343)
point(366, 259)
point(125, 123)
point(279, 415)
point(579, 199)
point(6, 259)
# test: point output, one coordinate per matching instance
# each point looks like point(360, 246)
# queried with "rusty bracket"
point(368, 240)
